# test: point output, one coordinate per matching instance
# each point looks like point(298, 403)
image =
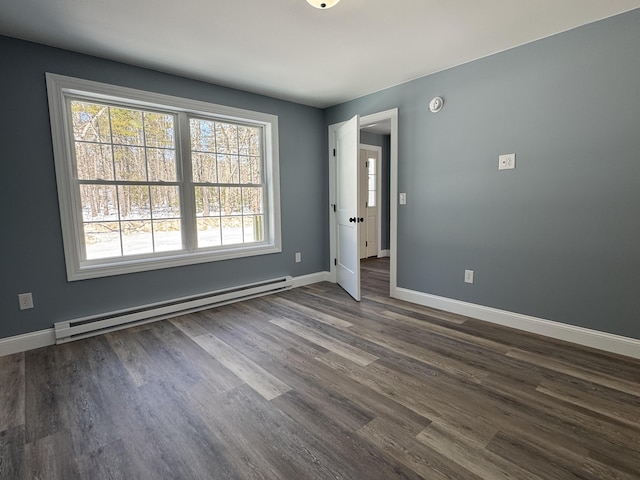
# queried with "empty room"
point(306, 239)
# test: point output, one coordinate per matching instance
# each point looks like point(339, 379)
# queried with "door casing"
point(392, 116)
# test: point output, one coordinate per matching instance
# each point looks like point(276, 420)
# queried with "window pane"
point(130, 164)
point(94, 161)
point(372, 166)
point(137, 238)
point(253, 228)
point(231, 200)
point(226, 138)
point(372, 199)
point(207, 201)
point(102, 240)
point(90, 122)
point(209, 232)
point(372, 182)
point(203, 135)
point(250, 170)
point(165, 202)
point(231, 230)
point(134, 202)
point(159, 130)
point(251, 200)
point(99, 202)
point(167, 235)
point(204, 168)
point(161, 164)
point(126, 126)
point(228, 169)
point(249, 140)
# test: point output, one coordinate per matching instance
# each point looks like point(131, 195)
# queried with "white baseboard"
point(27, 341)
point(609, 342)
point(44, 338)
point(384, 253)
point(317, 277)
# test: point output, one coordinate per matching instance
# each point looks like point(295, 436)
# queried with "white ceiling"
point(290, 50)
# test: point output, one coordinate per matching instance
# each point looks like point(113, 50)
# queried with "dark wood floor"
point(308, 384)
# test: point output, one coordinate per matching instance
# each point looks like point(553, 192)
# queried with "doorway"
point(388, 122)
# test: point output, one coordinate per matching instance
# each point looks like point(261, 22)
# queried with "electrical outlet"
point(507, 161)
point(25, 300)
point(403, 199)
point(298, 257)
point(468, 276)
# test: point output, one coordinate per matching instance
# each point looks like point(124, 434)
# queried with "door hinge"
point(335, 261)
point(334, 152)
point(334, 207)
point(366, 164)
point(366, 244)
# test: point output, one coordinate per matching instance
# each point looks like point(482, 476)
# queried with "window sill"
point(98, 269)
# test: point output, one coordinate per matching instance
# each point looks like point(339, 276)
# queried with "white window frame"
point(60, 88)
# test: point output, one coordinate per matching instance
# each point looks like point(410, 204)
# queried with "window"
point(150, 181)
point(371, 182)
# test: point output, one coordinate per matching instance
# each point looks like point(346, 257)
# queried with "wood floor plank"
point(347, 351)
point(629, 414)
point(259, 379)
point(449, 332)
point(12, 453)
point(365, 461)
point(132, 355)
point(12, 391)
point(51, 458)
point(315, 314)
point(43, 402)
point(415, 455)
point(429, 312)
point(421, 354)
point(547, 464)
point(630, 387)
point(482, 462)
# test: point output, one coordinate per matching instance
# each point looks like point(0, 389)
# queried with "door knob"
point(361, 219)
point(352, 219)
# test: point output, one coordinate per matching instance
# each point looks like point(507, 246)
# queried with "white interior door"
point(369, 159)
point(347, 211)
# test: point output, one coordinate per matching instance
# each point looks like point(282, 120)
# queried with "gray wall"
point(32, 253)
point(383, 141)
point(557, 238)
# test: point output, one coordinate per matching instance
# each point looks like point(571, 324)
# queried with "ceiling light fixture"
point(323, 4)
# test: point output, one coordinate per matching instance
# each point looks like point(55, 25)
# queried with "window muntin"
point(151, 181)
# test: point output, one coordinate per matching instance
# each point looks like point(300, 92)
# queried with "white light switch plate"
point(403, 199)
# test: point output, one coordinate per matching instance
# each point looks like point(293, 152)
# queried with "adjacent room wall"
point(556, 238)
point(32, 252)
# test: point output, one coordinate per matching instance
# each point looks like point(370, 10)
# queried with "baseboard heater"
point(103, 323)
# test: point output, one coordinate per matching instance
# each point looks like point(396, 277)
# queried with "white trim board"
point(608, 342)
point(47, 337)
point(311, 278)
point(27, 341)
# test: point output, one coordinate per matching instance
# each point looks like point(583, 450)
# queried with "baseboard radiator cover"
point(103, 323)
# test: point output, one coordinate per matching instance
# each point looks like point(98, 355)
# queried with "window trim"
point(60, 87)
